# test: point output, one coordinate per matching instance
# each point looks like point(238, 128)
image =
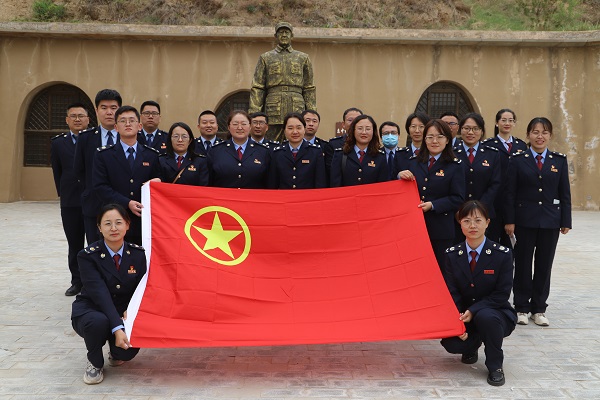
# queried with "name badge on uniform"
point(371, 163)
point(488, 271)
point(485, 163)
point(163, 146)
point(257, 161)
point(145, 164)
point(131, 270)
point(305, 161)
point(191, 168)
point(440, 173)
point(556, 201)
point(553, 169)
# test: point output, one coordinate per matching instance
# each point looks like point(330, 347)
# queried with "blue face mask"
point(390, 141)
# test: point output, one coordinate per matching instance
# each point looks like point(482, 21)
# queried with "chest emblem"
point(553, 169)
point(371, 164)
point(440, 173)
point(257, 161)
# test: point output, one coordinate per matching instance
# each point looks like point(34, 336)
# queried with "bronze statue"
point(283, 81)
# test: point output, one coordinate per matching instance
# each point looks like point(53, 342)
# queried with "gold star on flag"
point(217, 237)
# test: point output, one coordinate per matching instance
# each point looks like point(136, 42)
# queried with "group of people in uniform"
point(484, 194)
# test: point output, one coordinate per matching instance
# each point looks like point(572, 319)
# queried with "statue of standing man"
point(283, 82)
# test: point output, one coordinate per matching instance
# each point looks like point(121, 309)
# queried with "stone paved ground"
point(42, 358)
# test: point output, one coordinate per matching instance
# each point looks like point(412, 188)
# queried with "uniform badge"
point(501, 247)
point(460, 252)
point(128, 252)
point(257, 161)
point(371, 163)
point(488, 252)
point(305, 161)
point(131, 270)
point(163, 146)
point(92, 248)
point(440, 173)
point(145, 164)
point(488, 271)
point(102, 255)
point(553, 169)
point(191, 168)
point(485, 163)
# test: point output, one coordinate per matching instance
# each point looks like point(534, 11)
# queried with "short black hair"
point(108, 94)
point(309, 111)
point(296, 115)
point(424, 118)
point(259, 114)
point(150, 103)
point(78, 105)
point(469, 208)
point(388, 123)
point(348, 110)
point(450, 114)
point(206, 112)
point(123, 109)
point(113, 206)
point(190, 150)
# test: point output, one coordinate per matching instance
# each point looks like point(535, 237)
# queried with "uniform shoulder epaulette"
point(517, 153)
point(264, 144)
point(151, 148)
point(59, 135)
point(166, 155)
point(403, 149)
point(218, 143)
point(517, 140)
point(88, 130)
point(135, 246)
point(314, 145)
point(500, 248)
point(491, 148)
point(382, 151)
point(452, 249)
point(413, 156)
point(277, 148)
point(487, 140)
point(336, 138)
point(458, 149)
point(556, 153)
point(91, 249)
point(108, 146)
point(338, 149)
point(201, 155)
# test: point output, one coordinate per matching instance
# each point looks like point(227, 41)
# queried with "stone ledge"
point(308, 35)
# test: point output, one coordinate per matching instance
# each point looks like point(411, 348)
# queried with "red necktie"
point(431, 162)
point(117, 258)
point(473, 262)
point(509, 145)
point(294, 152)
point(471, 156)
point(361, 156)
point(179, 159)
point(539, 161)
point(417, 152)
point(240, 153)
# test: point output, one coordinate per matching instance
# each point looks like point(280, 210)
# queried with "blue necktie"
point(391, 164)
point(149, 139)
point(130, 157)
point(109, 141)
point(207, 145)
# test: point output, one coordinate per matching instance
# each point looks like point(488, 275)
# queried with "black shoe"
point(73, 290)
point(469, 358)
point(496, 378)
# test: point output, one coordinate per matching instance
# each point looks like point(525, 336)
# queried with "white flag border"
point(136, 299)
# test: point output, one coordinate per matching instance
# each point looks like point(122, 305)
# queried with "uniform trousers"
point(535, 247)
point(92, 234)
point(489, 326)
point(94, 328)
point(439, 249)
point(72, 221)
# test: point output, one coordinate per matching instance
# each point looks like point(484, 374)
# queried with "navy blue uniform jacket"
point(68, 187)
point(401, 157)
point(159, 142)
point(538, 199)
point(200, 149)
point(226, 169)
point(306, 171)
point(489, 286)
point(88, 142)
point(115, 182)
point(373, 169)
point(444, 186)
point(104, 288)
point(483, 177)
point(195, 170)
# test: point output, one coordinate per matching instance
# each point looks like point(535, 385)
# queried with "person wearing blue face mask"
point(390, 134)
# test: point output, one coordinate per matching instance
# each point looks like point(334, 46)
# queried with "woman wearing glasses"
point(239, 162)
point(360, 161)
point(441, 181)
point(180, 164)
point(481, 164)
point(538, 208)
point(506, 144)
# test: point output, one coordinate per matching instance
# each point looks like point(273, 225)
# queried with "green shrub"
point(46, 11)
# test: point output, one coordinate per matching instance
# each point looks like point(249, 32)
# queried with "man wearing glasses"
point(120, 170)
point(69, 188)
point(259, 124)
point(452, 120)
point(151, 135)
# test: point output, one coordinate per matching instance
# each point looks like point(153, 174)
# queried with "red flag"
point(272, 267)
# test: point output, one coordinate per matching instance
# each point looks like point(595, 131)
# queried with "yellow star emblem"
point(217, 237)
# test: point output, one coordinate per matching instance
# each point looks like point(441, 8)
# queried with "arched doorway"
point(237, 101)
point(46, 118)
point(442, 97)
